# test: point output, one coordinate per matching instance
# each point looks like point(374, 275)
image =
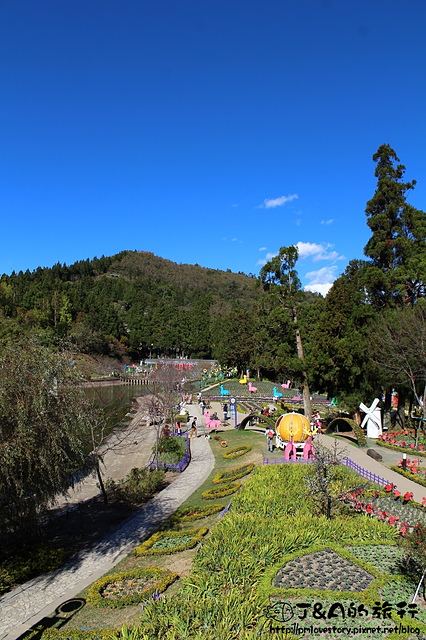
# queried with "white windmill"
point(372, 418)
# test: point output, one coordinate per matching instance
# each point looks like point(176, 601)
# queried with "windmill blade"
point(374, 405)
point(363, 407)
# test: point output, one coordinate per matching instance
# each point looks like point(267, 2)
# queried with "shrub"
point(158, 543)
point(138, 485)
point(233, 474)
point(170, 449)
point(158, 580)
point(196, 513)
point(220, 492)
point(28, 563)
point(79, 634)
point(237, 452)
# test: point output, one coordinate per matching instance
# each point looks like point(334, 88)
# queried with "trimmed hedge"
point(236, 452)
point(233, 474)
point(411, 476)
point(196, 513)
point(163, 580)
point(78, 634)
point(145, 549)
point(222, 491)
point(394, 447)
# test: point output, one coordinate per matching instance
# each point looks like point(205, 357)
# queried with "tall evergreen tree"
point(397, 247)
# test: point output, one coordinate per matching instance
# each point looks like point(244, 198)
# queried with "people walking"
point(269, 433)
point(225, 412)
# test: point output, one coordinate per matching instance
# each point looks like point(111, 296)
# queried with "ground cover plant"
point(388, 505)
point(271, 520)
point(221, 491)
point(236, 452)
point(404, 441)
point(413, 471)
point(170, 541)
point(233, 474)
point(189, 514)
point(128, 587)
point(27, 563)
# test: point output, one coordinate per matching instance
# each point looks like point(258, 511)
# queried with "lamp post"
point(233, 402)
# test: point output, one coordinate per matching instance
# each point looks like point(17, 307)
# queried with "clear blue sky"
point(205, 131)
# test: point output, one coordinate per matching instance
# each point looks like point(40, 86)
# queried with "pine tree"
point(397, 247)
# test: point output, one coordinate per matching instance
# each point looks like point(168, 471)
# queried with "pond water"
point(116, 399)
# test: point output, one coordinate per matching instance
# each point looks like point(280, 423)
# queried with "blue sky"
point(205, 131)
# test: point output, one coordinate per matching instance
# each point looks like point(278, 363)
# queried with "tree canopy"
point(43, 433)
point(396, 247)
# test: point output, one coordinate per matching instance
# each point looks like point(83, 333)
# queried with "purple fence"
point(365, 474)
point(174, 466)
point(283, 460)
point(372, 477)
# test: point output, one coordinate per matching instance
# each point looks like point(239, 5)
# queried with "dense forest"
point(132, 303)
point(366, 337)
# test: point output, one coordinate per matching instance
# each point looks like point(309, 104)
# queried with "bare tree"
point(325, 480)
point(161, 404)
point(107, 433)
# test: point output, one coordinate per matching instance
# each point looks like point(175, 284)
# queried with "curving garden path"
point(25, 606)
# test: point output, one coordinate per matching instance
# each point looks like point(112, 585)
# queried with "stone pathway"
point(25, 606)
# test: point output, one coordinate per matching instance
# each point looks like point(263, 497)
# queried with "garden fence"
point(364, 473)
point(174, 466)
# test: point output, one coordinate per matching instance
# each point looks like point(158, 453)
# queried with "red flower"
point(370, 509)
point(389, 487)
point(393, 519)
point(404, 528)
point(423, 502)
point(384, 515)
point(396, 493)
point(412, 445)
point(408, 496)
point(402, 443)
point(405, 432)
point(421, 447)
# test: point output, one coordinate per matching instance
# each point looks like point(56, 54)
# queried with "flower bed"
point(386, 558)
point(128, 587)
point(391, 506)
point(412, 472)
point(196, 513)
point(166, 542)
point(222, 491)
point(233, 474)
point(236, 452)
point(393, 441)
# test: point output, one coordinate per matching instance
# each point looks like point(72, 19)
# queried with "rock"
point(374, 454)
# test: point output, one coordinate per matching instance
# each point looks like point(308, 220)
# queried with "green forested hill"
point(132, 302)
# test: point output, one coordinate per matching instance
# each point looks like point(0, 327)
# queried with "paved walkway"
point(25, 606)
